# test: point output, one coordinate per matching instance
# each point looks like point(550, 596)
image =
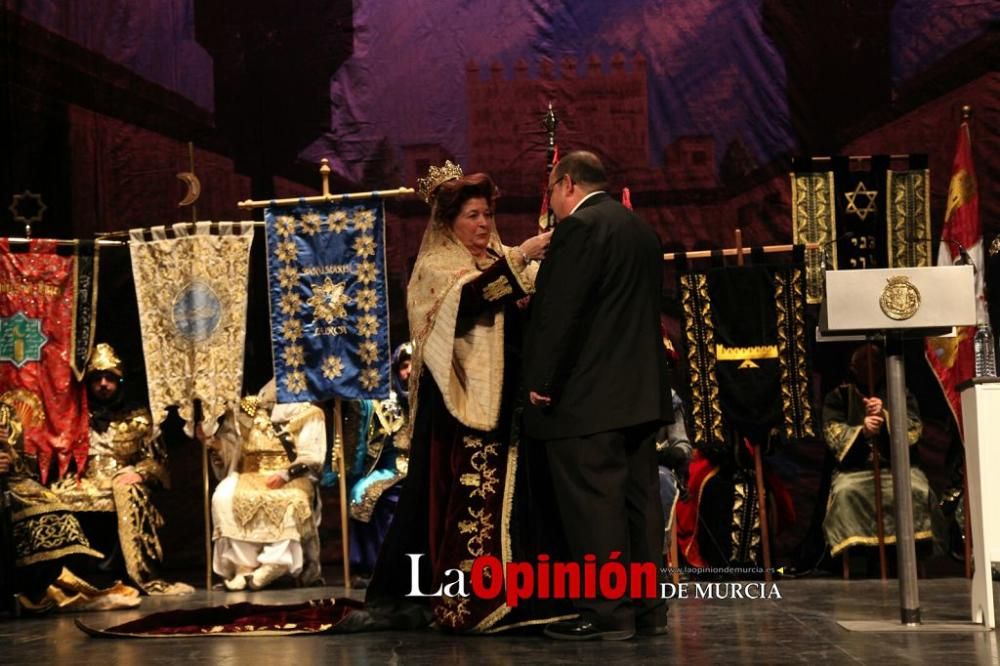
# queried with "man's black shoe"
point(583, 630)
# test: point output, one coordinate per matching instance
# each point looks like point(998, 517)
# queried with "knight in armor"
point(126, 462)
point(265, 511)
point(45, 535)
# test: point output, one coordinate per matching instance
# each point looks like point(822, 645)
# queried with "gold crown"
point(104, 359)
point(435, 176)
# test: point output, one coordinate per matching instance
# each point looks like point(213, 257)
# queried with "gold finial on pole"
point(966, 113)
point(324, 170)
point(326, 197)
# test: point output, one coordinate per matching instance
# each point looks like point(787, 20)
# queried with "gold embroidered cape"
point(467, 366)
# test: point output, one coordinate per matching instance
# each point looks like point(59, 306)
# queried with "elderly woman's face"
point(472, 225)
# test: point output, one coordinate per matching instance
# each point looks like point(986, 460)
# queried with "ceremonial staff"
point(877, 477)
point(550, 123)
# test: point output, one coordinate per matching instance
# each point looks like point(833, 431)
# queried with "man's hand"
point(873, 424)
point(538, 399)
point(5, 462)
point(275, 481)
point(128, 478)
point(873, 406)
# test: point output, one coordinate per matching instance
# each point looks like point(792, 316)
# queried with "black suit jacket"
point(593, 342)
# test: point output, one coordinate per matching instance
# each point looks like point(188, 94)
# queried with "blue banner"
point(329, 311)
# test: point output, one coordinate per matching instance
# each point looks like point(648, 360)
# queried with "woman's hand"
point(128, 478)
point(535, 247)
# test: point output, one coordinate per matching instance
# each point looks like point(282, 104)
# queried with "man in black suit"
point(596, 376)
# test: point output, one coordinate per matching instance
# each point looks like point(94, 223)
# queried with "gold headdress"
point(104, 359)
point(435, 176)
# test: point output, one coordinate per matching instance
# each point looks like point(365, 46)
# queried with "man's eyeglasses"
point(548, 192)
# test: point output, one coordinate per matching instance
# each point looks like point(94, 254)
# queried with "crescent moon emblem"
point(193, 188)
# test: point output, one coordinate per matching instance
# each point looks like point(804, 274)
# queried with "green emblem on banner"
point(21, 339)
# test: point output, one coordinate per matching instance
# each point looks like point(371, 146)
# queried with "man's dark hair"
point(585, 168)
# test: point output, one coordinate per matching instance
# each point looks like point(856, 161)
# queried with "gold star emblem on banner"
point(328, 301)
point(852, 201)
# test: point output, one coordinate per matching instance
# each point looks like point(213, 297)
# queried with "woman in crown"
point(471, 489)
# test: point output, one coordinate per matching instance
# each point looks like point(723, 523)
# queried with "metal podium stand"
point(897, 304)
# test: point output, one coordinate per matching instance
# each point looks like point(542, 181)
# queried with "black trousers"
point(607, 491)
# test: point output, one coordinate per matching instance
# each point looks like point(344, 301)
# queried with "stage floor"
point(801, 627)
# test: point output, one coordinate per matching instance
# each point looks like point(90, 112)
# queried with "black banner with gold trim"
point(746, 346)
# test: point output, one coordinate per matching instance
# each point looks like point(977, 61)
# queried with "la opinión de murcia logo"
point(545, 579)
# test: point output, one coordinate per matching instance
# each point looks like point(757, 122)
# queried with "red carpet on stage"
point(317, 616)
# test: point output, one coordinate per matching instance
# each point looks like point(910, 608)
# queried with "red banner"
point(953, 359)
point(37, 296)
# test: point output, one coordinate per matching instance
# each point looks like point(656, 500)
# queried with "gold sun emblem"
point(288, 277)
point(312, 223)
point(367, 299)
point(284, 225)
point(368, 351)
point(292, 330)
point(366, 272)
point(364, 246)
point(337, 221)
point(333, 367)
point(367, 325)
point(295, 382)
point(290, 303)
point(328, 301)
point(287, 251)
point(364, 219)
point(294, 356)
point(369, 379)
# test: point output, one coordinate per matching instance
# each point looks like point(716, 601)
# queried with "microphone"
point(964, 259)
point(825, 246)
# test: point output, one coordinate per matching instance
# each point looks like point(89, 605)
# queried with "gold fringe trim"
point(873, 540)
point(59, 552)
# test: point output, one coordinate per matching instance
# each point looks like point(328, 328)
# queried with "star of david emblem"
point(24, 211)
point(328, 301)
point(21, 339)
point(853, 201)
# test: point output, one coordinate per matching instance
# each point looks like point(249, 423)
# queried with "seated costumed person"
point(265, 511)
point(673, 451)
point(46, 535)
point(125, 461)
point(471, 491)
point(379, 466)
point(853, 423)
